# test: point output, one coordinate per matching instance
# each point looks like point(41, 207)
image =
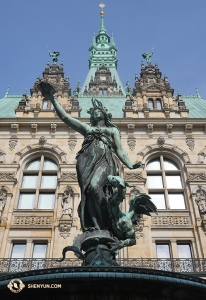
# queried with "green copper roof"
point(196, 105)
point(8, 104)
point(114, 105)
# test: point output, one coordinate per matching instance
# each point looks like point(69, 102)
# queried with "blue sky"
point(177, 28)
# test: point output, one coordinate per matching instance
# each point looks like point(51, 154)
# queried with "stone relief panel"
point(200, 200)
point(32, 220)
point(196, 176)
point(65, 176)
point(8, 176)
point(171, 221)
point(134, 176)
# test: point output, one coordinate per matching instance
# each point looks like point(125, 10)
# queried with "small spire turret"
point(197, 93)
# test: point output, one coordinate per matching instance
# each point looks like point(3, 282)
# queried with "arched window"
point(100, 92)
point(38, 184)
point(165, 184)
point(151, 103)
point(46, 104)
point(105, 91)
point(158, 104)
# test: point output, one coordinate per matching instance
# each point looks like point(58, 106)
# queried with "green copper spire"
point(102, 51)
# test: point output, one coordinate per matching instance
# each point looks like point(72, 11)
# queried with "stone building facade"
point(39, 192)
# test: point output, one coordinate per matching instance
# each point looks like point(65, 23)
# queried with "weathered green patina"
point(106, 228)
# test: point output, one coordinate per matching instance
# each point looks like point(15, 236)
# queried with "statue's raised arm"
point(48, 92)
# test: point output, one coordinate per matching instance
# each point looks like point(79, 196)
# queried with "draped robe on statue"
point(95, 161)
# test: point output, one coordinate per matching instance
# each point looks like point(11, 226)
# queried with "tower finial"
point(102, 5)
point(102, 28)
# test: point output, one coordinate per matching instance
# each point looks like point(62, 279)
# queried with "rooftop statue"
point(95, 165)
point(148, 56)
point(54, 56)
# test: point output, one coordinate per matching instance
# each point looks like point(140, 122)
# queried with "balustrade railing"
point(174, 265)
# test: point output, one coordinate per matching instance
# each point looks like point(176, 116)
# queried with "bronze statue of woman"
point(95, 160)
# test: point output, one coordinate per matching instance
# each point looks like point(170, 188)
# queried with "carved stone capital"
point(169, 129)
point(188, 130)
point(150, 127)
point(34, 127)
point(53, 128)
point(14, 129)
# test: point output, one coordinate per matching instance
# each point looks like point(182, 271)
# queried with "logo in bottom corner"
point(16, 285)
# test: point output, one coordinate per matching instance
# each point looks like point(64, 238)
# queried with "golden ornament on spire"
point(102, 5)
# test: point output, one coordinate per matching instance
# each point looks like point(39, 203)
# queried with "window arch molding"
point(169, 150)
point(167, 155)
point(54, 151)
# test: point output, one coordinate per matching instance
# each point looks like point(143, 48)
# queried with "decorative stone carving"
point(65, 227)
point(42, 141)
point(14, 129)
point(131, 144)
point(67, 202)
point(53, 128)
point(161, 141)
point(3, 197)
point(171, 221)
point(131, 141)
point(139, 229)
point(72, 140)
point(8, 176)
point(150, 127)
point(72, 144)
point(190, 143)
point(169, 130)
point(167, 113)
point(12, 144)
point(18, 155)
point(2, 156)
point(196, 176)
point(32, 220)
point(201, 157)
point(201, 200)
point(133, 176)
point(68, 176)
point(34, 128)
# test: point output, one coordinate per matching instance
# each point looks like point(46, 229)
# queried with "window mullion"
point(37, 190)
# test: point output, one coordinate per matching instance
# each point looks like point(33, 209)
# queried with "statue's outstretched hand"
point(137, 165)
point(47, 90)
